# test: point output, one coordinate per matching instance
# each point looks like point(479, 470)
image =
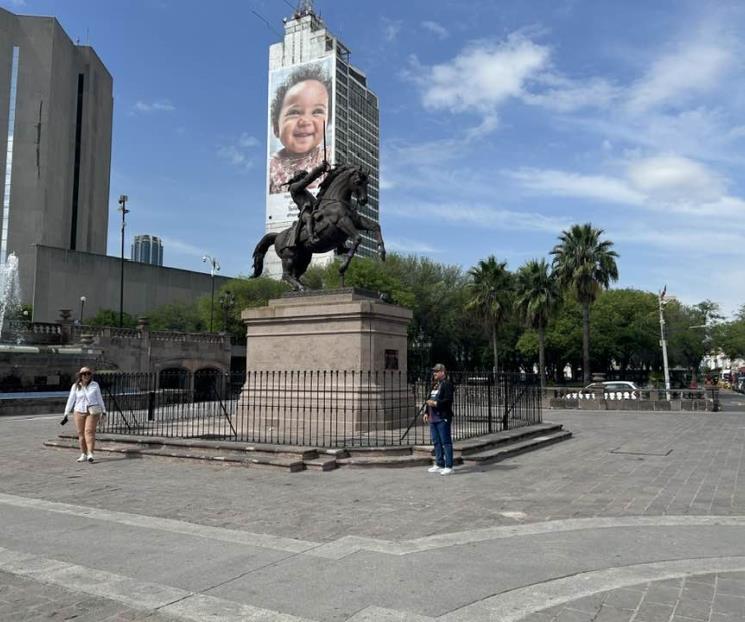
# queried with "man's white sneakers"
point(446, 471)
point(434, 469)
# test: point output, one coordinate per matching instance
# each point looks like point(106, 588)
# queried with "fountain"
point(10, 290)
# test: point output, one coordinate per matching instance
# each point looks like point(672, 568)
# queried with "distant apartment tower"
point(310, 74)
point(55, 142)
point(148, 249)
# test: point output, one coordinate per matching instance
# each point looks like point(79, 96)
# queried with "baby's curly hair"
point(302, 74)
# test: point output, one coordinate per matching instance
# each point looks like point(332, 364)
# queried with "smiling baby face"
point(302, 116)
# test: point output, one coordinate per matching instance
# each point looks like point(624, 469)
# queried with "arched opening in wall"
point(209, 384)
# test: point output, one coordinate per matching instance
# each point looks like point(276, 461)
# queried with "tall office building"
point(55, 142)
point(312, 88)
point(148, 249)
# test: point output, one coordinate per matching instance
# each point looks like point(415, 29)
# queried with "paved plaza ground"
point(639, 518)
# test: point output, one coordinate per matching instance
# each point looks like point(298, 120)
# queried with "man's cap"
point(438, 367)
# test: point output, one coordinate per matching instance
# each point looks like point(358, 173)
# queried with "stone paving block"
point(725, 603)
point(655, 612)
point(573, 615)
point(697, 609)
point(660, 593)
point(624, 598)
point(734, 587)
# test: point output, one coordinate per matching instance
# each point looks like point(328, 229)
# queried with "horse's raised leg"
point(289, 270)
point(368, 224)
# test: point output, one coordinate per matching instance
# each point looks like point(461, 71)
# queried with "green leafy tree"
point(240, 293)
point(729, 337)
point(626, 328)
point(491, 290)
point(537, 296)
point(584, 265)
point(178, 316)
point(108, 317)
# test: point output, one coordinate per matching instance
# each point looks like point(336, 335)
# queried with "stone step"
point(502, 452)
point(294, 451)
point(322, 463)
point(379, 452)
point(384, 461)
point(240, 457)
point(488, 441)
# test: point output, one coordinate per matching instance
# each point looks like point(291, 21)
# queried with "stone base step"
point(507, 437)
point(502, 452)
point(239, 458)
point(384, 461)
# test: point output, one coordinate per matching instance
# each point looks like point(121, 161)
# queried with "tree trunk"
point(494, 346)
point(541, 358)
point(586, 343)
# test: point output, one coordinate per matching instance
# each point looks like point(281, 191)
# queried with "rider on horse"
point(304, 200)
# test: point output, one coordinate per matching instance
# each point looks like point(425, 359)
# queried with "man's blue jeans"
point(443, 443)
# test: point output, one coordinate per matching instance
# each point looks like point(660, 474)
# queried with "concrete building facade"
point(62, 276)
point(353, 118)
point(56, 109)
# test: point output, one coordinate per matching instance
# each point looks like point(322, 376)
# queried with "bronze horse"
point(336, 221)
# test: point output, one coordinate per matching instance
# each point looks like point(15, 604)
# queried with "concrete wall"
point(41, 198)
point(63, 276)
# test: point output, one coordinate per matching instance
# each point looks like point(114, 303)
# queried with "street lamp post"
point(123, 209)
point(227, 300)
point(214, 267)
point(663, 343)
point(82, 306)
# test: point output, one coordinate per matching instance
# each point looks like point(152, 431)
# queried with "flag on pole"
point(663, 292)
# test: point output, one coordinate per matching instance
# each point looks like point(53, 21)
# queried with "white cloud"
point(162, 105)
point(482, 76)
point(391, 28)
point(436, 29)
point(564, 94)
point(482, 216)
point(694, 67)
point(672, 178)
point(567, 184)
point(410, 246)
point(247, 141)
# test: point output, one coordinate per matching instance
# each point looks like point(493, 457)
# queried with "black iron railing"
point(310, 408)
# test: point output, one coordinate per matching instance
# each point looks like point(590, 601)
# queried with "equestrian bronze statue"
point(335, 219)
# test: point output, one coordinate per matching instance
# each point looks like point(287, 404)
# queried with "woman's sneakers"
point(90, 457)
point(82, 458)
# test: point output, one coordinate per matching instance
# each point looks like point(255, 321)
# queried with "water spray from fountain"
point(10, 289)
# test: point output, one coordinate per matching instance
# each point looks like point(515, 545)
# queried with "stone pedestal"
point(340, 329)
point(325, 365)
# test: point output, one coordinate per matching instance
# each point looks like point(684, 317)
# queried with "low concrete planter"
point(32, 406)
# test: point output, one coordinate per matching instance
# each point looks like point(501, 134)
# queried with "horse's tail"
point(261, 248)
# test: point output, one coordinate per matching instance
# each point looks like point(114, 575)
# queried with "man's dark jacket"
point(444, 400)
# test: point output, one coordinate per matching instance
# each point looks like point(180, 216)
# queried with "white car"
point(610, 390)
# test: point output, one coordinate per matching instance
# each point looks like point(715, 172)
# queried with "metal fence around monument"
point(310, 408)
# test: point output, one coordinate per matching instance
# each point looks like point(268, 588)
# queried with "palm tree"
point(584, 265)
point(490, 291)
point(537, 297)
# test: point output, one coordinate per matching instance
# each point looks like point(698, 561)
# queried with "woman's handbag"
point(95, 409)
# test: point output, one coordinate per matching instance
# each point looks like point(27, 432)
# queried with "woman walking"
point(87, 403)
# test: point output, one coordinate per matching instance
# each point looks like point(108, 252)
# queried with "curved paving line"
point(141, 595)
point(348, 545)
point(516, 604)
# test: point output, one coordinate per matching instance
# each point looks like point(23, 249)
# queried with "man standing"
point(439, 415)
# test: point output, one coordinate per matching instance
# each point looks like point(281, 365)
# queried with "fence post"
point(506, 402)
point(151, 406)
point(489, 388)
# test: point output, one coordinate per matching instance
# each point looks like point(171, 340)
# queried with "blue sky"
point(502, 123)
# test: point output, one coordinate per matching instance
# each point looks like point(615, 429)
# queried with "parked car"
point(610, 390)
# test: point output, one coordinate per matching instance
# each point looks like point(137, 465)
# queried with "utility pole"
point(663, 342)
point(123, 209)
